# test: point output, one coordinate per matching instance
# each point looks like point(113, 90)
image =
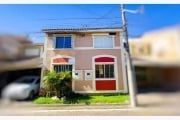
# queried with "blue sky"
point(30, 19)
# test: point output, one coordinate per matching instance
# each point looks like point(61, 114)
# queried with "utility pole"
point(130, 68)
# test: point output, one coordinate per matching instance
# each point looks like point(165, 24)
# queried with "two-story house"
point(156, 57)
point(18, 57)
point(94, 55)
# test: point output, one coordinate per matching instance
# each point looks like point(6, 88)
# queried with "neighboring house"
point(156, 57)
point(94, 55)
point(18, 57)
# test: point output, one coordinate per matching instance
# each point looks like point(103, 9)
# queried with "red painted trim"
point(60, 60)
point(105, 84)
point(104, 59)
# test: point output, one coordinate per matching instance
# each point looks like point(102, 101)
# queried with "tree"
point(58, 82)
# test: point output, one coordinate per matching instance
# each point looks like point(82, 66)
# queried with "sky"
point(30, 19)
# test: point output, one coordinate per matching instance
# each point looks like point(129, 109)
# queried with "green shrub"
point(57, 83)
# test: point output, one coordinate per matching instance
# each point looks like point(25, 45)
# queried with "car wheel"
point(31, 95)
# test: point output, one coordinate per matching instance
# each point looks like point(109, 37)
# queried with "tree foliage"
point(60, 83)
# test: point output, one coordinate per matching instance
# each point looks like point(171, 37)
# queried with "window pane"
point(63, 42)
point(56, 68)
point(67, 42)
point(70, 67)
point(29, 52)
point(107, 72)
point(59, 42)
point(60, 68)
point(103, 42)
point(99, 71)
point(104, 71)
point(111, 69)
point(98, 42)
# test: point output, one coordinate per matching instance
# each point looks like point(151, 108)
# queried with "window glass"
point(63, 42)
point(102, 41)
point(29, 52)
point(60, 68)
point(104, 70)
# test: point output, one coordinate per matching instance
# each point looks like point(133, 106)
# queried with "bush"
point(42, 92)
point(58, 83)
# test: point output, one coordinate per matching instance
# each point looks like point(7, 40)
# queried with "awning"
point(22, 64)
point(155, 63)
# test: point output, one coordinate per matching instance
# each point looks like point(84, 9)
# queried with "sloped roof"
point(145, 62)
point(108, 29)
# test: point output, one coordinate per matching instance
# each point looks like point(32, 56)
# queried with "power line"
point(86, 10)
point(103, 16)
point(54, 19)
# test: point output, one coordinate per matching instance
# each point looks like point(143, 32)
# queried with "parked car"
point(23, 88)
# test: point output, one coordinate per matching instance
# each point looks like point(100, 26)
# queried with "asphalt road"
point(150, 104)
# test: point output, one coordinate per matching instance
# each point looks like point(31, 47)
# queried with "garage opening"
point(10, 76)
point(157, 79)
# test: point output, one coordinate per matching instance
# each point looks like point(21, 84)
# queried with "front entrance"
point(105, 78)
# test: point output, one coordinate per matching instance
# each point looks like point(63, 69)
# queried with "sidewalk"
point(149, 104)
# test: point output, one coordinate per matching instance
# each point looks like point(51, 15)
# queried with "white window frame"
point(63, 35)
point(113, 40)
point(62, 56)
point(61, 64)
point(115, 70)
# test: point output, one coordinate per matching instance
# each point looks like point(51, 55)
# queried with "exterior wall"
point(164, 49)
point(140, 49)
point(83, 61)
point(49, 41)
point(117, 40)
point(11, 47)
point(83, 52)
point(83, 40)
point(82, 85)
point(32, 46)
point(164, 45)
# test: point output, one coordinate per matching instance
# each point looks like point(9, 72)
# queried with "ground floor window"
point(104, 70)
point(60, 68)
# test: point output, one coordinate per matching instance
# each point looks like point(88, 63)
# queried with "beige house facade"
point(19, 57)
point(156, 57)
point(93, 55)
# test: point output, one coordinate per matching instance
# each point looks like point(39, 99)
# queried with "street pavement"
point(149, 104)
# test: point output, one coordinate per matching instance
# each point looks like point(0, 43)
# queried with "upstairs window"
point(103, 41)
point(63, 42)
point(31, 52)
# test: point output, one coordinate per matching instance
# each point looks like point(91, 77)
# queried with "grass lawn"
point(120, 99)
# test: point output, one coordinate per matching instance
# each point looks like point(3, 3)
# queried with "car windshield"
point(25, 80)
